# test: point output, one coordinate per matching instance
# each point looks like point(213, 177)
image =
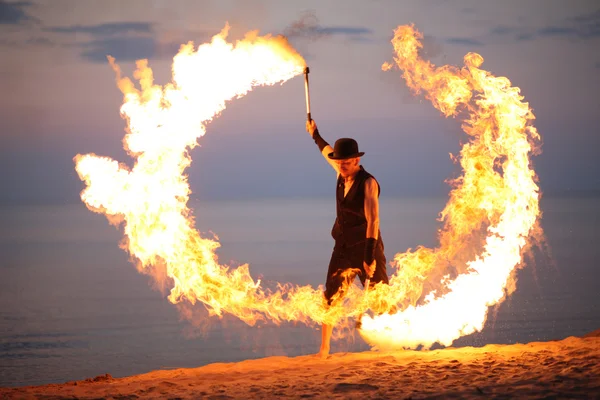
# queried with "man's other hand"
point(369, 269)
point(311, 127)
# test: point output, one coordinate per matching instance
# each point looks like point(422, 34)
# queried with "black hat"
point(345, 148)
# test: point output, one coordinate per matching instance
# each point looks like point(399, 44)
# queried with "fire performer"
point(358, 245)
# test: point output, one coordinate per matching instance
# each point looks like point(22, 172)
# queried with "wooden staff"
point(307, 92)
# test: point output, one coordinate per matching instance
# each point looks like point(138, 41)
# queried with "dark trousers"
point(345, 258)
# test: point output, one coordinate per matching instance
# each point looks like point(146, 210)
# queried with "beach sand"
point(567, 368)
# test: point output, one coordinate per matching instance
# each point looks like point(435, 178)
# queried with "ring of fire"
point(437, 294)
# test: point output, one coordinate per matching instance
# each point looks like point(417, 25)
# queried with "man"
point(358, 246)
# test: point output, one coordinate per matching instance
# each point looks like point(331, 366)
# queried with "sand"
point(566, 368)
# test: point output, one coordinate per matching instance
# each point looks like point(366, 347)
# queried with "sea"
point(73, 305)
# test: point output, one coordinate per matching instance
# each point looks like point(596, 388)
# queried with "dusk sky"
point(59, 96)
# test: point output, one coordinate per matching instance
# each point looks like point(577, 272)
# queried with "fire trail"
point(440, 293)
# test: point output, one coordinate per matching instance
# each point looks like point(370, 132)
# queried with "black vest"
point(350, 227)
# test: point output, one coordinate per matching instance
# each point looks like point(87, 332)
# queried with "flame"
point(440, 293)
point(492, 210)
point(150, 199)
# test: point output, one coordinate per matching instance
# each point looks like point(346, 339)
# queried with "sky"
point(59, 96)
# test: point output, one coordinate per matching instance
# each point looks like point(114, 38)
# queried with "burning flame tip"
point(386, 66)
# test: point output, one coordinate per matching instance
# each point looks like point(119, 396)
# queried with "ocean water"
point(72, 306)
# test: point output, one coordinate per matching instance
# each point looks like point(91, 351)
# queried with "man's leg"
point(326, 331)
point(333, 284)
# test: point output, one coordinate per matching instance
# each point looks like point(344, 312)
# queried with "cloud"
point(308, 27)
point(524, 36)
point(122, 48)
point(502, 30)
point(126, 41)
point(8, 43)
point(353, 33)
point(40, 42)
point(464, 41)
point(108, 29)
point(582, 27)
point(587, 25)
point(128, 49)
point(22, 29)
point(556, 31)
point(343, 30)
point(14, 13)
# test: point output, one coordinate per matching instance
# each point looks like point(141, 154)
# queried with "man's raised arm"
point(324, 147)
